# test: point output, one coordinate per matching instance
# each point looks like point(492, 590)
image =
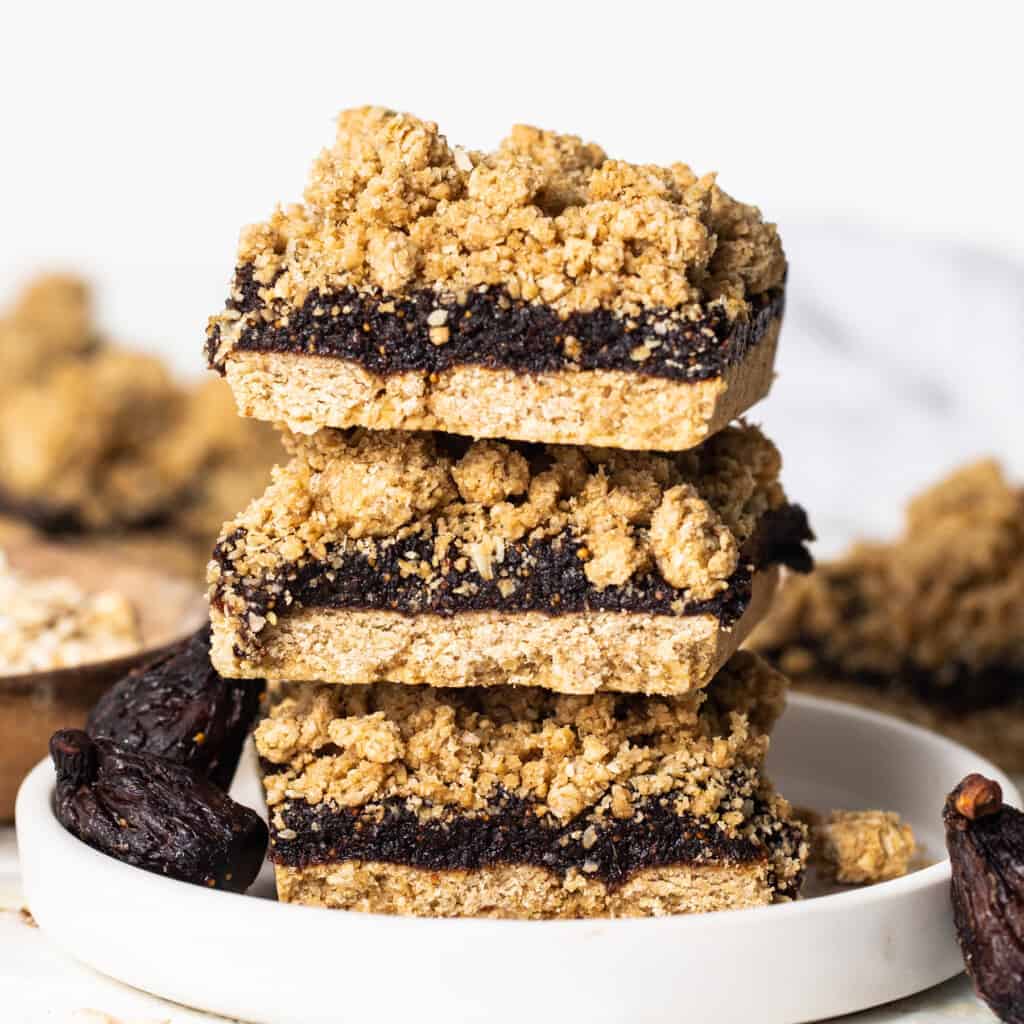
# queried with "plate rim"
point(849, 950)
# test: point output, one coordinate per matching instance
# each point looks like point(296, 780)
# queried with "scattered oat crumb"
point(864, 847)
point(26, 917)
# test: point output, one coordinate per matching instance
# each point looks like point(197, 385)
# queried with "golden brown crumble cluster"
point(391, 205)
point(688, 514)
point(864, 847)
point(949, 591)
point(437, 748)
point(106, 435)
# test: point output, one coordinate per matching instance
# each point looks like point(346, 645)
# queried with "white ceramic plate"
point(254, 959)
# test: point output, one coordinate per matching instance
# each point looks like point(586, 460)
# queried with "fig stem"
point(977, 797)
point(74, 756)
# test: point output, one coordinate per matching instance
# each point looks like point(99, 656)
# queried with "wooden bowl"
point(34, 705)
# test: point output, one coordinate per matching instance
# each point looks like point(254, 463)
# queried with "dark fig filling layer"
point(396, 334)
point(606, 849)
point(548, 574)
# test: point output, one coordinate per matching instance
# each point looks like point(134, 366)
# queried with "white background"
point(144, 135)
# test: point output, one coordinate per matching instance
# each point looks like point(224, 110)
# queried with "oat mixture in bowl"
point(72, 621)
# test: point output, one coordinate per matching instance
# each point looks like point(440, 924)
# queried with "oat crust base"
point(584, 652)
point(522, 891)
point(612, 408)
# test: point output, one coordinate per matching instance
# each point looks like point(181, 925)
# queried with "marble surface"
point(900, 359)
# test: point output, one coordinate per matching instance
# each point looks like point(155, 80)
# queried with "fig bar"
point(517, 802)
point(542, 292)
point(424, 558)
point(929, 626)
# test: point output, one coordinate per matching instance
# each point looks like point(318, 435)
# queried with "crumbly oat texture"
point(391, 206)
point(93, 436)
point(686, 516)
point(938, 614)
point(50, 623)
point(864, 847)
point(542, 292)
point(567, 772)
point(425, 558)
point(435, 747)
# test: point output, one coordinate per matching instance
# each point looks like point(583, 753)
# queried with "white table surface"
point(899, 360)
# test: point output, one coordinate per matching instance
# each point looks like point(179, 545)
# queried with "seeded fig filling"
point(604, 785)
point(545, 245)
point(510, 832)
point(430, 523)
point(385, 334)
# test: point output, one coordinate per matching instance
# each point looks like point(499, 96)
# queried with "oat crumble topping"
point(686, 514)
point(438, 748)
point(391, 206)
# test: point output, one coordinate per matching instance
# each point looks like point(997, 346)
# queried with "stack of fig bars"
point(501, 584)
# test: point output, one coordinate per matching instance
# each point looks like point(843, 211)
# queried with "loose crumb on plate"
point(864, 847)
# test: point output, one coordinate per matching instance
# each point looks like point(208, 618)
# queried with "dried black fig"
point(985, 839)
point(155, 814)
point(178, 707)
